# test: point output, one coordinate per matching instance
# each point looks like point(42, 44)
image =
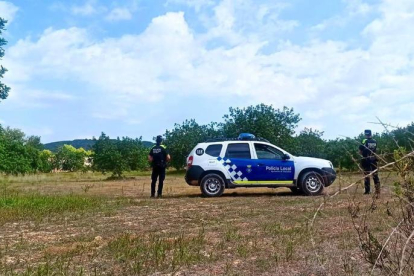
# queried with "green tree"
point(68, 158)
point(19, 154)
point(4, 90)
point(310, 143)
point(34, 142)
point(107, 156)
point(184, 137)
point(14, 155)
point(343, 153)
point(277, 126)
point(46, 161)
point(394, 139)
point(33, 147)
point(134, 153)
point(14, 135)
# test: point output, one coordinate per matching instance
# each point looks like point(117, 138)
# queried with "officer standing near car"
point(158, 157)
point(369, 162)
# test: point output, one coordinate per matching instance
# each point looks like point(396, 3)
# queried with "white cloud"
point(94, 7)
point(50, 95)
point(238, 21)
point(328, 81)
point(196, 4)
point(165, 58)
point(59, 7)
point(90, 7)
point(25, 96)
point(8, 10)
point(353, 9)
point(118, 14)
point(357, 7)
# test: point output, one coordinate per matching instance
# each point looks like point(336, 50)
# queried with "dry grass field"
point(82, 224)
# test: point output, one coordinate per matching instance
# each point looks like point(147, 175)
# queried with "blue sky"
point(134, 67)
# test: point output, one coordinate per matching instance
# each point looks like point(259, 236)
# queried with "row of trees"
point(20, 154)
point(278, 126)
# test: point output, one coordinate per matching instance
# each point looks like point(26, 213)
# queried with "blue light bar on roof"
point(246, 136)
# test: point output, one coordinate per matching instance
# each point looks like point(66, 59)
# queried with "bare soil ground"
point(116, 229)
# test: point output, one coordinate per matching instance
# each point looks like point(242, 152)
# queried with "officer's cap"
point(368, 132)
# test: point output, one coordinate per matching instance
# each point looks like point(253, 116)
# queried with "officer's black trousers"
point(157, 173)
point(369, 167)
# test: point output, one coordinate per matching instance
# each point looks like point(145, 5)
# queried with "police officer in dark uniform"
point(158, 157)
point(369, 162)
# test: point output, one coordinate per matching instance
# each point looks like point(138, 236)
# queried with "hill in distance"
point(87, 144)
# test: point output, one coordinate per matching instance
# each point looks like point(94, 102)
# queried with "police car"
point(247, 161)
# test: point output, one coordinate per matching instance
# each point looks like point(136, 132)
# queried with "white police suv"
point(248, 161)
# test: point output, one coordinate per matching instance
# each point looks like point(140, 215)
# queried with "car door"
point(237, 158)
point(270, 167)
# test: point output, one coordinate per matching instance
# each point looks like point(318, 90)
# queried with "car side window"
point(238, 150)
point(267, 152)
point(214, 150)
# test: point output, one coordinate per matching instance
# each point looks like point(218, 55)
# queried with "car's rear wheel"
point(212, 185)
point(312, 183)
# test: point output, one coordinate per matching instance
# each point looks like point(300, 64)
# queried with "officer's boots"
point(367, 185)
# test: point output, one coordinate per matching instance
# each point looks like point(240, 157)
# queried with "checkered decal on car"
point(235, 174)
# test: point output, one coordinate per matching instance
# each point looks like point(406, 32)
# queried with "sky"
point(136, 67)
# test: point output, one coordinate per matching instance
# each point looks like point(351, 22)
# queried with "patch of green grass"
point(143, 255)
point(278, 229)
point(232, 234)
point(42, 178)
point(15, 206)
point(60, 177)
point(50, 266)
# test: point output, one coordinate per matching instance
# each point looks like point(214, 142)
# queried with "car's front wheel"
point(312, 183)
point(212, 185)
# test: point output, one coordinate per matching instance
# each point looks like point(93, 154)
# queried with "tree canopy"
point(277, 126)
point(21, 154)
point(71, 159)
point(118, 156)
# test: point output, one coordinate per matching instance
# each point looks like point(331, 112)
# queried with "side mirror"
point(285, 156)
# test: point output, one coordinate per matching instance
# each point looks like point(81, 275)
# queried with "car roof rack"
point(223, 139)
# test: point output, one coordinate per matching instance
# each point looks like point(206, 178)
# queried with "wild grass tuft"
point(15, 206)
point(143, 255)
